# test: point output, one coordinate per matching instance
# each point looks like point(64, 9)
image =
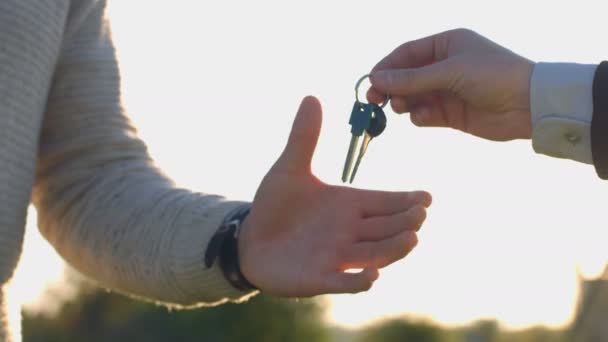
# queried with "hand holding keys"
point(367, 119)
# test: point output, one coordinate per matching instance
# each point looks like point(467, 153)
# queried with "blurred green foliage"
point(403, 330)
point(99, 316)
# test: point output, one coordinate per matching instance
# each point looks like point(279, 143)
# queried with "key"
point(360, 121)
point(366, 119)
point(376, 127)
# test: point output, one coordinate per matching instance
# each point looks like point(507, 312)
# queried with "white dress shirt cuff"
point(561, 104)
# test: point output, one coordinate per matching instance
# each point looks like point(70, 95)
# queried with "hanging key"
point(367, 120)
point(376, 127)
point(360, 120)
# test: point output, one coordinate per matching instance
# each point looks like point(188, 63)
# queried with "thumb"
point(404, 82)
point(297, 155)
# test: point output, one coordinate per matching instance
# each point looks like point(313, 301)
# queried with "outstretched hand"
point(302, 234)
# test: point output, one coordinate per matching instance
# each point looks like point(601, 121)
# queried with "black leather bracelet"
point(599, 121)
point(224, 246)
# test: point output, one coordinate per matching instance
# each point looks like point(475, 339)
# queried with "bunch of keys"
point(367, 120)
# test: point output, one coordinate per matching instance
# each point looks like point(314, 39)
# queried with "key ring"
point(386, 98)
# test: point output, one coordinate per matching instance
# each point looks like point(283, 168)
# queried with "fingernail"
point(426, 199)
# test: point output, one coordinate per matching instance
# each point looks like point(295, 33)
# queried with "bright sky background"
point(213, 87)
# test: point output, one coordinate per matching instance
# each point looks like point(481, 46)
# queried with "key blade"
point(349, 157)
point(366, 139)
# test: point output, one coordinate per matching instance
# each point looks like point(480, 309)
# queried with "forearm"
point(102, 204)
point(129, 229)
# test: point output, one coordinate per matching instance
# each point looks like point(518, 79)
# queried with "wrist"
point(525, 115)
point(224, 245)
point(524, 125)
point(242, 248)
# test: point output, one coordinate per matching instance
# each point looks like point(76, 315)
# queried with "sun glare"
point(38, 283)
point(486, 250)
point(508, 228)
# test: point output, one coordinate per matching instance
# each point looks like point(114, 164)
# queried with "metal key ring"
point(386, 98)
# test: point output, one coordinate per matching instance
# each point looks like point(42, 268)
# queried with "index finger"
point(413, 54)
point(381, 203)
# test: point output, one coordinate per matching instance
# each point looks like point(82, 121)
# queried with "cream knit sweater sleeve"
point(101, 202)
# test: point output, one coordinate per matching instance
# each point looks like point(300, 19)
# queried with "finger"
point(428, 115)
point(415, 53)
point(404, 82)
point(399, 104)
point(440, 110)
point(374, 96)
point(302, 142)
point(343, 282)
point(381, 253)
point(382, 203)
point(384, 227)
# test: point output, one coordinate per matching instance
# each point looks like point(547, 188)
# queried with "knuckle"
point(462, 32)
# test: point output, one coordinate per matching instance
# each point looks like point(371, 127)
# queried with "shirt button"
point(573, 138)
